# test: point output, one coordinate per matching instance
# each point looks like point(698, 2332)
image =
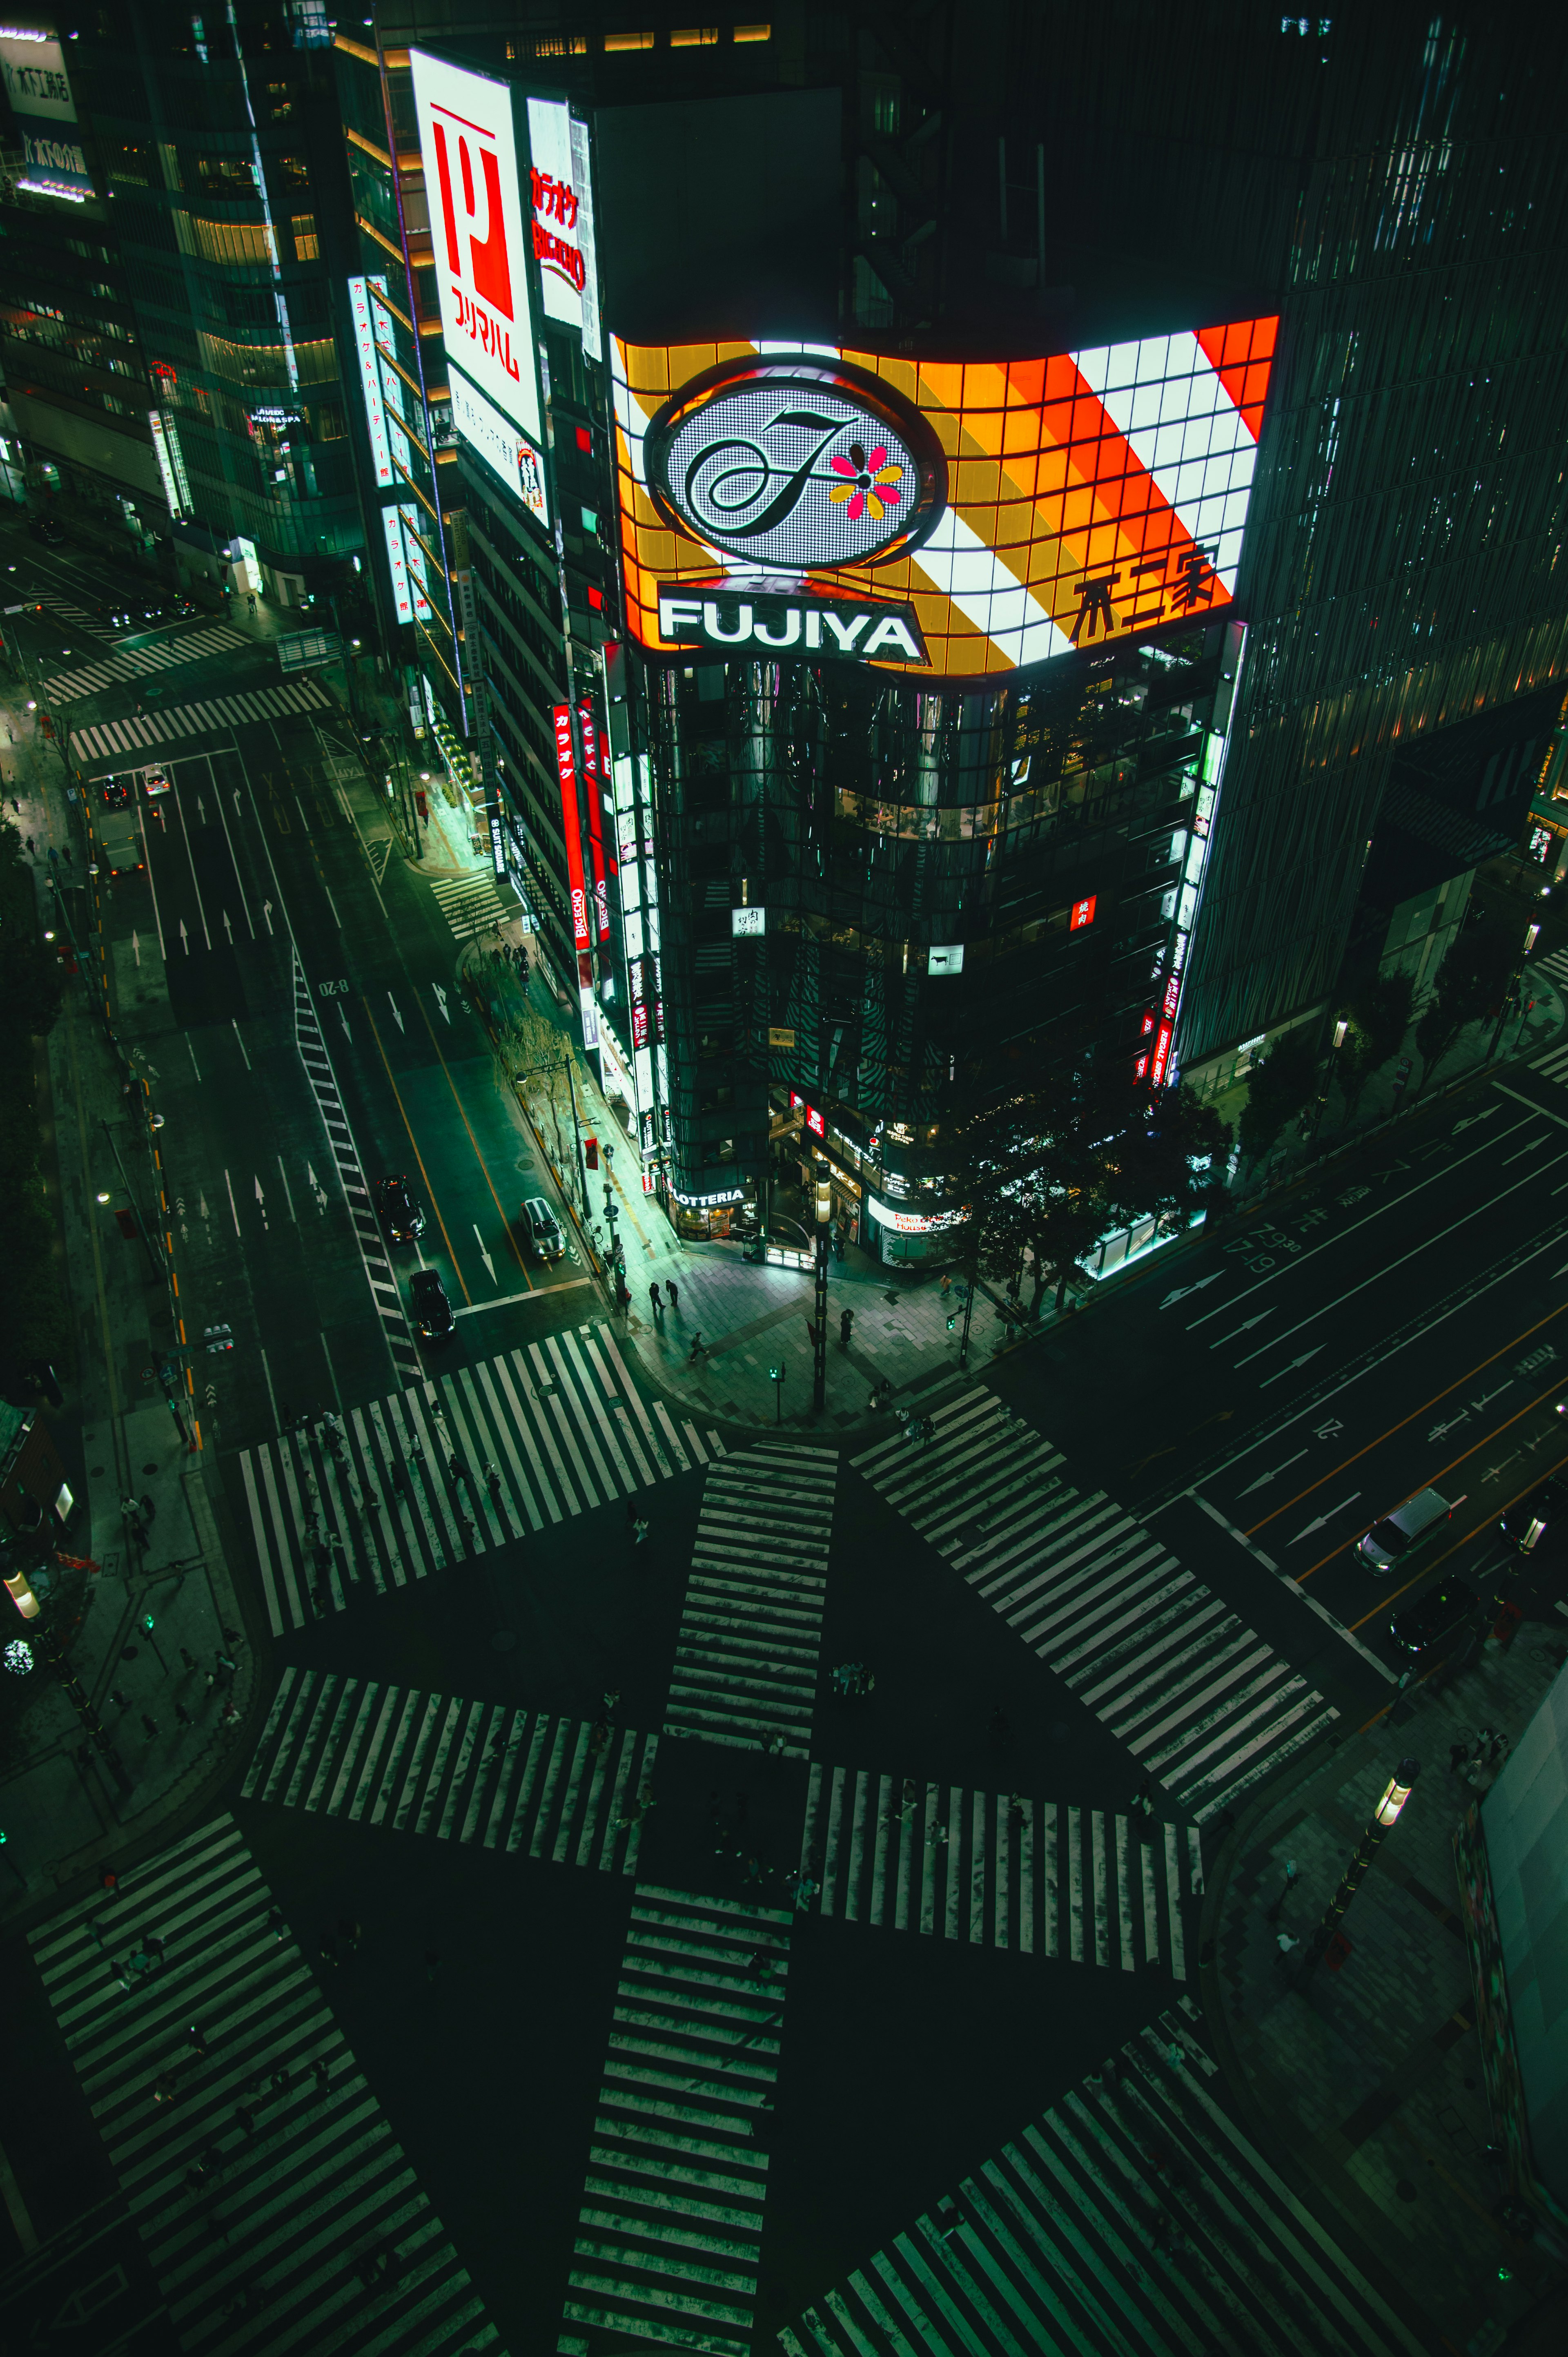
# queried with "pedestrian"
point(166, 2089)
point(348, 1932)
point(805, 1891)
point(224, 1662)
point(188, 1657)
point(938, 1836)
point(455, 1466)
point(431, 1964)
point(612, 1697)
point(97, 1930)
point(329, 1953)
point(322, 2070)
point(154, 1941)
point(696, 1349)
point(149, 1510)
point(149, 1724)
point(183, 1715)
point(1176, 2055)
point(120, 1700)
point(670, 1288)
point(1292, 1873)
point(281, 2079)
point(198, 2039)
point(639, 1530)
point(275, 1921)
point(598, 1741)
point(119, 1971)
point(1457, 1755)
point(656, 1299)
point(1283, 1941)
point(946, 1286)
point(1144, 1797)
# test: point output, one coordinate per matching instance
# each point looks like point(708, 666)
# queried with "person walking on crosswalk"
point(657, 1299)
point(674, 1291)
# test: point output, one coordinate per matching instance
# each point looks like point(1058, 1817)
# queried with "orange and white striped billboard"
point(951, 519)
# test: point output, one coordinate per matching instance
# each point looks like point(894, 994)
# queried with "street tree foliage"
point(1062, 1163)
point(1471, 984)
point(31, 1306)
point(1281, 1087)
point(1379, 1014)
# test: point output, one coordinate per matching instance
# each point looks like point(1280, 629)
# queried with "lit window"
point(695, 37)
point(306, 244)
point(752, 33)
point(613, 41)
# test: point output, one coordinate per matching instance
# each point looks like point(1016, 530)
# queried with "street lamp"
point(1384, 1817)
point(776, 1376)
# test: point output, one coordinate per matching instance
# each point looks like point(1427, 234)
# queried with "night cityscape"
point(783, 1426)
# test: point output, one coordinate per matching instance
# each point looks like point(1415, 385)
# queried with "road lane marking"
point(190, 861)
point(1504, 1091)
point(434, 1202)
point(463, 1117)
point(1496, 1514)
point(1389, 1203)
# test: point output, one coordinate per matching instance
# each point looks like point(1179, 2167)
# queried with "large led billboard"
point(478, 227)
point(953, 519)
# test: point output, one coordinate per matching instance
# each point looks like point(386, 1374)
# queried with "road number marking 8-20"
point(332, 990)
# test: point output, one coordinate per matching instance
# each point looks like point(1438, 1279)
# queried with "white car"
point(154, 784)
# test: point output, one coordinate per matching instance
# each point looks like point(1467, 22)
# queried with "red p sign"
point(471, 209)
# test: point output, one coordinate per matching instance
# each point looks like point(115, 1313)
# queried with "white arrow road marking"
point(232, 1212)
point(1472, 1119)
point(393, 1005)
point(1182, 1291)
point(228, 928)
point(241, 1043)
point(1324, 1520)
point(184, 938)
point(262, 1202)
point(266, 905)
point(201, 809)
point(236, 801)
point(287, 1195)
point(1441, 1431)
point(1286, 1371)
point(1245, 1327)
point(136, 945)
point(1487, 1397)
point(201, 1207)
point(1265, 1478)
point(441, 1002)
point(316, 1189)
point(486, 1258)
point(344, 1021)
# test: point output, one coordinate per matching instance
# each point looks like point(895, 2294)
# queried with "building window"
point(306, 244)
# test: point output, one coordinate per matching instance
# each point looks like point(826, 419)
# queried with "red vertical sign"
point(593, 765)
point(566, 766)
point(1162, 1053)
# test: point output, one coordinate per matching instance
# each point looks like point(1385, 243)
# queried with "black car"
point(401, 1215)
point(1437, 1614)
point(46, 529)
point(116, 792)
point(1527, 1521)
point(432, 1310)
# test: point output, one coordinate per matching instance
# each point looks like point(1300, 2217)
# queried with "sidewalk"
point(1372, 2080)
point(64, 1811)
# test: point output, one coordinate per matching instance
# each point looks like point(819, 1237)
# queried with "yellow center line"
point(1533, 1483)
point(414, 1142)
point(1485, 1442)
point(1459, 1381)
point(462, 1116)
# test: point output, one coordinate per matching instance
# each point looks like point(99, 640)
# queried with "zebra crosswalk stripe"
point(1553, 1065)
point(1133, 2217)
point(291, 2212)
point(1555, 964)
point(669, 2234)
point(1202, 1702)
point(745, 1654)
point(900, 1854)
point(562, 1422)
point(66, 686)
point(470, 904)
point(126, 739)
point(470, 1775)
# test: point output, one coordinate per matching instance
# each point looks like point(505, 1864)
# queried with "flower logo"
point(870, 481)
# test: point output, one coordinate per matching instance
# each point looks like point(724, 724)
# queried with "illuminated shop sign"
point(502, 446)
point(1162, 1054)
point(912, 1224)
point(1021, 508)
point(558, 212)
point(813, 1118)
point(466, 140)
point(38, 88)
point(369, 376)
point(566, 770)
point(402, 598)
point(1083, 913)
point(722, 616)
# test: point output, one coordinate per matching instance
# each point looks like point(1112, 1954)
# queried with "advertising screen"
point(480, 233)
point(949, 519)
point(38, 88)
point(560, 186)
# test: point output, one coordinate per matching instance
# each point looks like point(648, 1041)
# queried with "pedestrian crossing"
point(1133, 2217)
point(999, 1870)
point(397, 1758)
point(397, 1332)
point(1555, 963)
point(269, 2182)
point(471, 905)
point(337, 1515)
point(1203, 1703)
point(66, 686)
point(1553, 1065)
point(75, 617)
point(745, 1656)
point(143, 733)
point(669, 2233)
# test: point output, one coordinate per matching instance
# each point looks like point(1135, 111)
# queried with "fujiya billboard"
point(479, 232)
point(952, 518)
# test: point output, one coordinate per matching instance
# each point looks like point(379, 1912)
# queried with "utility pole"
point(1384, 1818)
point(1531, 934)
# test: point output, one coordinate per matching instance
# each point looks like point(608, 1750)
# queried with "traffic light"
point(148, 1622)
point(952, 1320)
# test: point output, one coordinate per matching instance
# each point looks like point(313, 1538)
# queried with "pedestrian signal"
point(952, 1320)
point(148, 1622)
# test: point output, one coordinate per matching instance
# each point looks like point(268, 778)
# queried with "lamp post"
point(823, 1190)
point(1531, 935)
point(1385, 1816)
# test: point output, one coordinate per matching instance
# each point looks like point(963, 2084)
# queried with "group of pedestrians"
point(852, 1681)
point(1473, 1761)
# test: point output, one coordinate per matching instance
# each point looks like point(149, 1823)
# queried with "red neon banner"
point(1083, 913)
point(1162, 1054)
point(566, 766)
point(596, 753)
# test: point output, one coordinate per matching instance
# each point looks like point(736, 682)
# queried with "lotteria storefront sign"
point(733, 616)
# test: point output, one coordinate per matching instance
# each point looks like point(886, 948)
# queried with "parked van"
point(1387, 1544)
point(541, 1229)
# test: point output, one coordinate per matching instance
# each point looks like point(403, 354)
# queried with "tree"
point(1379, 1014)
point(1066, 1160)
point(1281, 1086)
point(1471, 982)
point(32, 1313)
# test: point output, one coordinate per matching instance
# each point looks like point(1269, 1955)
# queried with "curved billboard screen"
point(946, 518)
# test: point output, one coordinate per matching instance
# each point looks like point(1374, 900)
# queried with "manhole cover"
point(149, 1469)
point(97, 1472)
point(1405, 2190)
